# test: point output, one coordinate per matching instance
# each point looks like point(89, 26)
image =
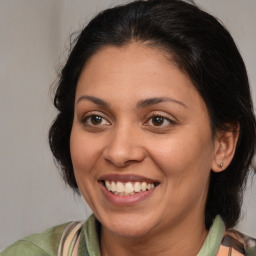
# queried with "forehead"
point(135, 66)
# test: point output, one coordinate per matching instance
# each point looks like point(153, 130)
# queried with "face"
point(141, 142)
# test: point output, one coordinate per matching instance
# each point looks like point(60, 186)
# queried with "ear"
point(225, 142)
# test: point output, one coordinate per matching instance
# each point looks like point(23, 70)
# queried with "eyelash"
point(164, 118)
point(89, 116)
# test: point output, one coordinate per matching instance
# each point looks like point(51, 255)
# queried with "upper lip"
point(126, 178)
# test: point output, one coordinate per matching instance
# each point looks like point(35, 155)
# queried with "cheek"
point(186, 153)
point(82, 152)
point(83, 159)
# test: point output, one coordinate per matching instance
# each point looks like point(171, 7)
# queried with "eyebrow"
point(156, 100)
point(141, 104)
point(95, 100)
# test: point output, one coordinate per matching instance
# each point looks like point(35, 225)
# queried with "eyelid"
point(171, 120)
point(161, 114)
point(94, 113)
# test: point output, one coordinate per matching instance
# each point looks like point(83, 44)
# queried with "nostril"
point(123, 149)
point(122, 157)
point(117, 163)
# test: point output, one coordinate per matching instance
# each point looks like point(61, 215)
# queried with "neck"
point(185, 238)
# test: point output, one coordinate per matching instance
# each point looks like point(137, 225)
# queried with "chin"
point(128, 226)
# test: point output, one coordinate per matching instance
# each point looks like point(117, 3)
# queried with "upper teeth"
point(127, 188)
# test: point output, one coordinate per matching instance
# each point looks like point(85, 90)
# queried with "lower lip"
point(126, 200)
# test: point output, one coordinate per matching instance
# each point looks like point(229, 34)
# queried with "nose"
point(124, 147)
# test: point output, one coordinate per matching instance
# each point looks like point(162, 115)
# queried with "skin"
point(179, 152)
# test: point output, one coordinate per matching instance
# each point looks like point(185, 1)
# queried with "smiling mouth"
point(128, 188)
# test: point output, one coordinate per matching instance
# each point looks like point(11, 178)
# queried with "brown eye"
point(96, 120)
point(158, 120)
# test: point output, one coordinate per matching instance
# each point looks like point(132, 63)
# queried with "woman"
point(156, 130)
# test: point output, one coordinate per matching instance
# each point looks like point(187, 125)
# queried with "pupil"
point(158, 120)
point(96, 120)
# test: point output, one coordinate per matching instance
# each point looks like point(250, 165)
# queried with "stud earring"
point(221, 165)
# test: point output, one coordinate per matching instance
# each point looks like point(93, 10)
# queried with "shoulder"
point(240, 242)
point(40, 244)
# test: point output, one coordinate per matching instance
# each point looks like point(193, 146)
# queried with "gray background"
point(34, 41)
